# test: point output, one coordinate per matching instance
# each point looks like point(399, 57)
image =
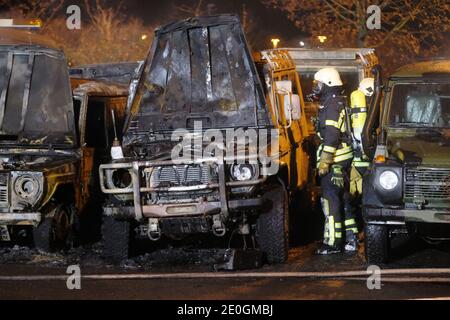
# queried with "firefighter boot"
point(351, 244)
point(327, 249)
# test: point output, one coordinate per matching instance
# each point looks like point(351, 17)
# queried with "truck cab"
point(407, 186)
point(200, 94)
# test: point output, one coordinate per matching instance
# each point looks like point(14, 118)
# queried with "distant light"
point(275, 43)
point(322, 39)
point(144, 37)
point(21, 23)
point(302, 44)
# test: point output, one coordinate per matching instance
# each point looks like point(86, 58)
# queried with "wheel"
point(116, 235)
point(272, 227)
point(377, 243)
point(57, 230)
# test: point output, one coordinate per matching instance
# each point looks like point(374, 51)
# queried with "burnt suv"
point(200, 95)
point(51, 143)
point(407, 188)
point(38, 143)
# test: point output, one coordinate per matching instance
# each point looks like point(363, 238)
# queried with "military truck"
point(407, 188)
point(45, 161)
point(198, 79)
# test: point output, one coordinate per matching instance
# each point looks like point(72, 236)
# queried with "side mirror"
point(291, 108)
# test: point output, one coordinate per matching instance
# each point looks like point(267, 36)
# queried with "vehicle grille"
point(181, 175)
point(4, 181)
point(428, 184)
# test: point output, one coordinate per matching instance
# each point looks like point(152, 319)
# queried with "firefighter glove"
point(326, 159)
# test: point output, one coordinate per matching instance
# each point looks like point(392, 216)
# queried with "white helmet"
point(366, 86)
point(328, 76)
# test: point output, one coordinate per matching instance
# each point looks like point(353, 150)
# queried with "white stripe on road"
point(230, 275)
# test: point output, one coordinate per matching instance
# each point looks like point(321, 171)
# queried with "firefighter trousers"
point(340, 222)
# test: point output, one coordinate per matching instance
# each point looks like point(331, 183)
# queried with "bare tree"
point(44, 10)
point(409, 28)
point(194, 8)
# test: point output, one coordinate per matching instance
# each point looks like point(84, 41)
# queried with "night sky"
point(276, 22)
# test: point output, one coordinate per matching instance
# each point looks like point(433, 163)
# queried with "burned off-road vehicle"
point(407, 188)
point(200, 95)
point(38, 143)
point(47, 147)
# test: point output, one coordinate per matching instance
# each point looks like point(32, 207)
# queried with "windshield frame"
point(27, 140)
point(389, 97)
point(137, 107)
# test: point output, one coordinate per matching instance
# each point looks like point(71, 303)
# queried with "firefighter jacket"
point(332, 128)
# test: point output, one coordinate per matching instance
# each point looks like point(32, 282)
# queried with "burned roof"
point(119, 72)
point(424, 68)
point(99, 88)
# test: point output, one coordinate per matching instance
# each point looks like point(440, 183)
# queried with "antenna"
point(116, 149)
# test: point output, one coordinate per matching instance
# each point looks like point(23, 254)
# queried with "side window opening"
point(77, 111)
point(96, 129)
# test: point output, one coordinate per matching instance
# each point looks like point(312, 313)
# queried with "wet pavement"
point(195, 258)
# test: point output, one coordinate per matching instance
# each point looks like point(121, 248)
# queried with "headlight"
point(26, 187)
point(121, 178)
point(388, 180)
point(242, 172)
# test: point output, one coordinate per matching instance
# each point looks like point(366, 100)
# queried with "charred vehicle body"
point(200, 76)
point(44, 174)
point(407, 189)
point(38, 143)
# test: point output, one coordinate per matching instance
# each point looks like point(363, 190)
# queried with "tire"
point(43, 235)
point(272, 227)
point(377, 243)
point(57, 230)
point(116, 236)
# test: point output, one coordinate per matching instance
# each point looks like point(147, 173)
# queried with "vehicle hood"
point(421, 147)
point(35, 162)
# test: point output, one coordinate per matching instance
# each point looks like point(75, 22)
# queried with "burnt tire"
point(272, 227)
point(57, 231)
point(116, 236)
point(377, 243)
point(43, 235)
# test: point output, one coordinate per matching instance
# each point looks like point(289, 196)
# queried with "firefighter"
point(359, 101)
point(335, 156)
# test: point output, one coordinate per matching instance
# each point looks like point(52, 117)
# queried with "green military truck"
point(407, 188)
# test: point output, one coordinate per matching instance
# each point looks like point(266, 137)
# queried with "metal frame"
point(136, 189)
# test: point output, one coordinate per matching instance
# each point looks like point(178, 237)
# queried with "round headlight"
point(242, 172)
point(388, 180)
point(121, 178)
point(27, 187)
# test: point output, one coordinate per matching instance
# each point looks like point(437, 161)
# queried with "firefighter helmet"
point(366, 86)
point(328, 76)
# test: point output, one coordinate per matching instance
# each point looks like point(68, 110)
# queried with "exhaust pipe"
point(373, 118)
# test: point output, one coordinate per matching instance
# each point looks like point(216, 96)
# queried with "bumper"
point(183, 210)
point(20, 219)
point(140, 211)
point(400, 216)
